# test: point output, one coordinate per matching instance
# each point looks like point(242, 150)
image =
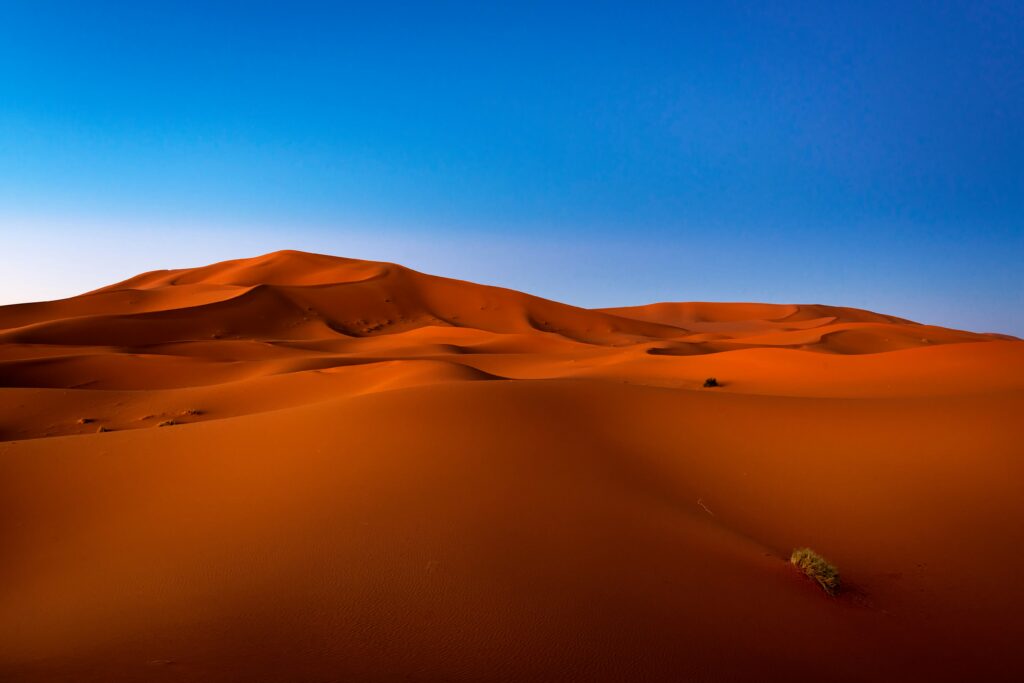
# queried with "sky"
point(866, 154)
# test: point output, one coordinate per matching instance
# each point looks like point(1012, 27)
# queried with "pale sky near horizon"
point(865, 154)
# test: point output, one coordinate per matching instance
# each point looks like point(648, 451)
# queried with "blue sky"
point(864, 154)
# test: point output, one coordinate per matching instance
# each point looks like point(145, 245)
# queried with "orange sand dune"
point(365, 473)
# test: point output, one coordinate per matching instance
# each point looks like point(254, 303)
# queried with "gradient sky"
point(868, 154)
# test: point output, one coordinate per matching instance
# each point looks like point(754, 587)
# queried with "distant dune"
point(299, 467)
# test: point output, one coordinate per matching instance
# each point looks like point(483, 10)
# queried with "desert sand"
point(306, 468)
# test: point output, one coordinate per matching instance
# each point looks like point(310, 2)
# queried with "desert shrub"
point(192, 411)
point(711, 382)
point(167, 423)
point(818, 568)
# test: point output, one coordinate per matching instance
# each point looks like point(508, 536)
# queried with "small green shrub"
point(816, 567)
point(711, 382)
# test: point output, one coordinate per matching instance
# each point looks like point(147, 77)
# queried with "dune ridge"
point(369, 473)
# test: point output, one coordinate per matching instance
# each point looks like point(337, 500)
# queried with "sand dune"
point(368, 473)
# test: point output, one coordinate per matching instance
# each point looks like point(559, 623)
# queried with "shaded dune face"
point(303, 467)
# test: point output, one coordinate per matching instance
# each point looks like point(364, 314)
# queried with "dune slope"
point(302, 467)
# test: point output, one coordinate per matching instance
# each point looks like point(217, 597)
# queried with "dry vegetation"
point(818, 568)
